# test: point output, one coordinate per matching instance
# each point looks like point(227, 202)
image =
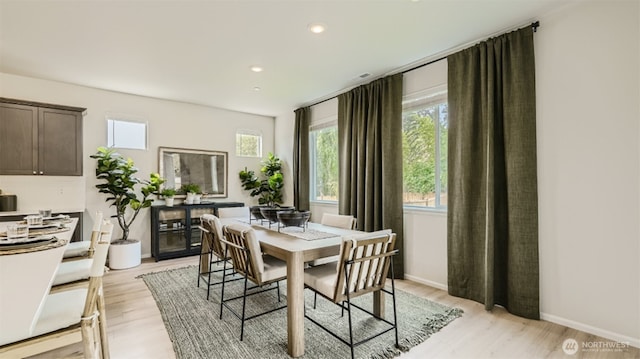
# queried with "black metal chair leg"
point(393, 295)
point(315, 299)
point(224, 275)
point(244, 302)
point(278, 285)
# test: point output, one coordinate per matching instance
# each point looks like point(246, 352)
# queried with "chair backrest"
point(338, 220)
point(95, 233)
point(102, 249)
point(212, 233)
point(244, 249)
point(364, 262)
point(233, 212)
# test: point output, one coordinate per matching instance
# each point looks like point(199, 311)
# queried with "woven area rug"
point(196, 330)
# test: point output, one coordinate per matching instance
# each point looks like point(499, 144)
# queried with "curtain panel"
point(301, 159)
point(370, 158)
point(492, 218)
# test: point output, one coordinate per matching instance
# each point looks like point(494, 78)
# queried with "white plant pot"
point(168, 201)
point(190, 198)
point(124, 255)
point(197, 198)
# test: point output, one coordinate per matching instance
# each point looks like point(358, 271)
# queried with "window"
point(248, 143)
point(126, 134)
point(323, 148)
point(425, 124)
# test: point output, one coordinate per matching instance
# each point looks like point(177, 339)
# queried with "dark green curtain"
point(492, 218)
point(370, 158)
point(301, 159)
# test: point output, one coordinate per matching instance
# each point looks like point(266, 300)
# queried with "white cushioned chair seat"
point(61, 310)
point(273, 268)
point(72, 271)
point(322, 279)
point(77, 249)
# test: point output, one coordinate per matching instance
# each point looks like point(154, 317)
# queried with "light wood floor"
point(136, 329)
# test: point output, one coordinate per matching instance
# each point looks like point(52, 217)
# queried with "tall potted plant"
point(119, 184)
point(268, 188)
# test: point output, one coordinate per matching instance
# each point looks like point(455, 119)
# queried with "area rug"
point(196, 330)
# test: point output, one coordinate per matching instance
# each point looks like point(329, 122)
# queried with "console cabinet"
point(174, 230)
point(40, 139)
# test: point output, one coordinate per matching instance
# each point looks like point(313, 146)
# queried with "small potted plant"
point(168, 194)
point(193, 193)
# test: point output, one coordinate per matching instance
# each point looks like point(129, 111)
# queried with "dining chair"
point(244, 249)
point(80, 268)
point(234, 212)
point(344, 221)
point(212, 252)
point(70, 314)
point(363, 268)
point(339, 220)
point(84, 249)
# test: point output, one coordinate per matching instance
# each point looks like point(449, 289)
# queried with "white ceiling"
point(201, 51)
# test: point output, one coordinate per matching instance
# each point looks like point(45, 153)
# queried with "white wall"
point(171, 124)
point(587, 66)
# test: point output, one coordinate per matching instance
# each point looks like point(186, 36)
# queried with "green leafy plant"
point(269, 188)
point(119, 183)
point(168, 192)
point(190, 188)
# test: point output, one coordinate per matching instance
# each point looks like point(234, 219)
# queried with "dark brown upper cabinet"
point(40, 139)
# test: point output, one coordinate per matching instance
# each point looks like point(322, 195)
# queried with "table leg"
point(295, 304)
point(378, 303)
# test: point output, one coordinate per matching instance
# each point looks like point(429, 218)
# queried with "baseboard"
point(426, 282)
point(634, 342)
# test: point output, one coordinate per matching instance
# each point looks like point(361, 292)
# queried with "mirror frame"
point(163, 150)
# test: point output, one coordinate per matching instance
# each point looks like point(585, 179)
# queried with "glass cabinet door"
point(194, 215)
point(172, 230)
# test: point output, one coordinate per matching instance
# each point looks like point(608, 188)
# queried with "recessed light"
point(256, 89)
point(256, 68)
point(316, 28)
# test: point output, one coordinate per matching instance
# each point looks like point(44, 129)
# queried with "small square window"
point(126, 134)
point(248, 144)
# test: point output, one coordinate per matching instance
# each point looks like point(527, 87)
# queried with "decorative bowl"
point(294, 218)
point(271, 213)
point(255, 212)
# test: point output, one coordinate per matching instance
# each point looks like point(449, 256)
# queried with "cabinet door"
point(195, 235)
point(18, 139)
point(60, 142)
point(171, 232)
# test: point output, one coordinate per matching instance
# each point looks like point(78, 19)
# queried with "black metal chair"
point(244, 249)
point(212, 251)
point(362, 268)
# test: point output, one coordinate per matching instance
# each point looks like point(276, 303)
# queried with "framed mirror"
point(207, 169)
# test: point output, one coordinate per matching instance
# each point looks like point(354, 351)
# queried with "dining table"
point(27, 270)
point(296, 246)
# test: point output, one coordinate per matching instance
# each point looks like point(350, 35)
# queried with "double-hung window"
point(425, 124)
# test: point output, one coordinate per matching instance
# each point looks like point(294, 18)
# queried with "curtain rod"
point(534, 26)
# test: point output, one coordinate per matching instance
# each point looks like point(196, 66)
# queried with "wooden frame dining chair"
point(71, 313)
point(212, 251)
point(363, 268)
point(84, 249)
point(345, 221)
point(247, 258)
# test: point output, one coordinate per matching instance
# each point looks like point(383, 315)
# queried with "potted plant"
point(119, 184)
point(168, 194)
point(193, 193)
point(268, 188)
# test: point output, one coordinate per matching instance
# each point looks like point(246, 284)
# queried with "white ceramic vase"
point(190, 198)
point(168, 201)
